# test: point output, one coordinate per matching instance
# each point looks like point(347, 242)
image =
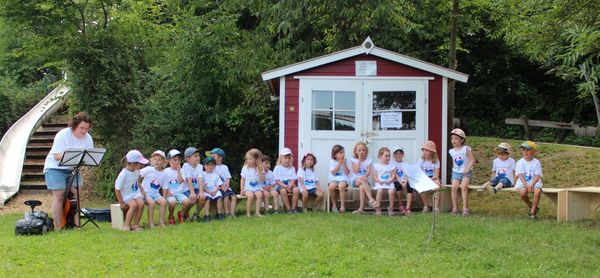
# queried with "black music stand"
point(77, 157)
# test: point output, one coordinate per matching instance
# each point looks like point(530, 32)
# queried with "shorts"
point(217, 196)
point(460, 176)
point(187, 193)
point(337, 183)
point(505, 181)
point(153, 195)
point(253, 189)
point(179, 198)
point(57, 179)
point(311, 192)
point(398, 187)
point(228, 193)
point(132, 196)
point(519, 185)
point(383, 186)
point(353, 182)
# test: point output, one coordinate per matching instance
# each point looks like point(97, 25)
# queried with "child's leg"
point(487, 185)
point(399, 198)
point(259, 197)
point(319, 200)
point(362, 196)
point(220, 206)
point(233, 204)
point(304, 200)
point(425, 200)
point(391, 194)
point(151, 205)
point(499, 186)
point(186, 205)
point(342, 187)
point(437, 200)
point(139, 212)
point(250, 197)
point(295, 195)
point(285, 199)
point(464, 188)
point(409, 197)
point(130, 214)
point(200, 203)
point(266, 195)
point(525, 197)
point(163, 207)
point(206, 207)
point(332, 188)
point(454, 192)
point(537, 193)
point(366, 187)
point(275, 199)
point(226, 203)
point(172, 205)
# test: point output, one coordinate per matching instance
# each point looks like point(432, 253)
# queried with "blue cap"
point(190, 151)
point(218, 151)
point(208, 159)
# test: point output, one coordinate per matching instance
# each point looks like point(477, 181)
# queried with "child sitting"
point(211, 185)
point(229, 196)
point(384, 174)
point(462, 170)
point(430, 164)
point(339, 169)
point(503, 169)
point(361, 171)
point(192, 172)
point(401, 182)
point(285, 177)
point(128, 192)
point(309, 180)
point(153, 179)
point(174, 178)
point(252, 180)
point(529, 177)
point(270, 188)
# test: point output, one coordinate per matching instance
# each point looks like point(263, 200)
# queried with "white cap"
point(173, 153)
point(136, 156)
point(285, 151)
point(159, 152)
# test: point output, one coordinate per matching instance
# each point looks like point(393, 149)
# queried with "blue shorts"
point(187, 193)
point(505, 182)
point(337, 183)
point(228, 193)
point(57, 179)
point(312, 192)
point(460, 176)
point(132, 196)
point(214, 198)
point(398, 187)
point(153, 195)
point(179, 198)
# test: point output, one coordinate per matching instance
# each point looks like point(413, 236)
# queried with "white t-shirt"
point(504, 168)
point(251, 178)
point(340, 175)
point(285, 174)
point(459, 159)
point(399, 168)
point(429, 167)
point(127, 183)
point(310, 178)
point(362, 168)
point(529, 169)
point(172, 182)
point(212, 181)
point(269, 178)
point(194, 173)
point(223, 171)
point(63, 140)
point(383, 172)
point(153, 180)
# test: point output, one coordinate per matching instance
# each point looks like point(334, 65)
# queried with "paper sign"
point(391, 120)
point(366, 68)
point(419, 181)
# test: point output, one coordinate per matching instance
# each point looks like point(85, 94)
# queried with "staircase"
point(32, 178)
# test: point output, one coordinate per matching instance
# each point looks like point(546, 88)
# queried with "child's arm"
point(140, 180)
point(494, 174)
point(242, 182)
point(392, 177)
point(120, 199)
point(179, 176)
point(335, 169)
point(226, 184)
point(355, 167)
point(471, 162)
point(375, 177)
point(301, 183)
point(346, 170)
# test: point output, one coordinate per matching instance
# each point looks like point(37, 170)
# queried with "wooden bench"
point(556, 195)
point(582, 202)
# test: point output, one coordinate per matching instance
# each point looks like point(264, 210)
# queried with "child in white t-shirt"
point(529, 177)
point(192, 172)
point(252, 180)
point(360, 173)
point(430, 164)
point(229, 196)
point(174, 178)
point(270, 188)
point(211, 184)
point(128, 192)
point(339, 169)
point(462, 170)
point(285, 178)
point(384, 174)
point(308, 181)
point(503, 169)
point(153, 180)
point(401, 182)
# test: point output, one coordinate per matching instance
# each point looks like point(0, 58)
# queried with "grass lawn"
point(313, 245)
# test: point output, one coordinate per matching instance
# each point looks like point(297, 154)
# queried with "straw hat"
point(430, 146)
point(458, 132)
point(504, 147)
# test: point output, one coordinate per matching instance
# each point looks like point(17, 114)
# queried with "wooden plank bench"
point(556, 195)
point(582, 202)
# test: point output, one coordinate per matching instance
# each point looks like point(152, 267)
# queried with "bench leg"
point(446, 200)
point(581, 205)
point(116, 216)
point(560, 200)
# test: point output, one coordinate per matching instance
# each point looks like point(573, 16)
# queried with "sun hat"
point(458, 132)
point(173, 153)
point(134, 156)
point(503, 147)
point(529, 145)
point(218, 151)
point(285, 151)
point(430, 146)
point(190, 151)
point(159, 152)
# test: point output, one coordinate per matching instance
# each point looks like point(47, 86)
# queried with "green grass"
point(313, 245)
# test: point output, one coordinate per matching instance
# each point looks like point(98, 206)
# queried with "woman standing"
point(76, 135)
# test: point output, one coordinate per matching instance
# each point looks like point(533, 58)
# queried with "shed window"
point(395, 104)
point(333, 110)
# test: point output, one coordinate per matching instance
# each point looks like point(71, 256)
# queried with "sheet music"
point(93, 156)
point(419, 181)
point(75, 156)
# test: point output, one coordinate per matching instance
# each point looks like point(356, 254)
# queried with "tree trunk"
point(452, 63)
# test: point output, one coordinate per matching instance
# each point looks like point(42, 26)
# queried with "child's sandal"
point(373, 203)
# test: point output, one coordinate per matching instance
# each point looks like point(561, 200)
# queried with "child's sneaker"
point(171, 221)
point(276, 211)
point(180, 216)
point(206, 218)
point(334, 210)
point(195, 218)
point(220, 217)
point(290, 211)
point(425, 209)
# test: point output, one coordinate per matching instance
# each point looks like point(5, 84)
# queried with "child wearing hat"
point(212, 184)
point(174, 180)
point(153, 179)
point(229, 196)
point(401, 182)
point(462, 170)
point(192, 172)
point(529, 177)
point(503, 169)
point(128, 191)
point(430, 164)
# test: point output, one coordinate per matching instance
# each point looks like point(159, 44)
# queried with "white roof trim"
point(361, 49)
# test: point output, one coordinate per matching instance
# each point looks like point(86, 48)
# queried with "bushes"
point(16, 100)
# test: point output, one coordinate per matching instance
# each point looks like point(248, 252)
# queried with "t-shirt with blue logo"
point(459, 159)
point(504, 168)
point(269, 178)
point(285, 174)
point(340, 175)
point(399, 169)
point(127, 183)
point(384, 173)
point(212, 181)
point(223, 171)
point(153, 180)
point(251, 178)
point(309, 177)
point(362, 168)
point(428, 167)
point(172, 183)
point(193, 173)
point(529, 169)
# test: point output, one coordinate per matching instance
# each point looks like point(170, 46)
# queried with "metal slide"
point(14, 142)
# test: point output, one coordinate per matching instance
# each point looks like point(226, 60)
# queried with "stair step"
point(41, 138)
point(37, 153)
point(54, 129)
point(30, 174)
point(39, 148)
point(39, 178)
point(59, 124)
point(33, 185)
point(40, 144)
point(32, 162)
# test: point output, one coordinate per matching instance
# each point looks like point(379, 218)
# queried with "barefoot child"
point(309, 181)
point(229, 196)
point(270, 188)
point(339, 169)
point(384, 174)
point(430, 164)
point(401, 182)
point(361, 171)
point(153, 179)
point(128, 192)
point(462, 170)
point(192, 172)
point(503, 169)
point(211, 184)
point(529, 177)
point(174, 177)
point(252, 180)
point(285, 177)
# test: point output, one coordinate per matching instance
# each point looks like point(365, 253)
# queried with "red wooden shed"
point(364, 93)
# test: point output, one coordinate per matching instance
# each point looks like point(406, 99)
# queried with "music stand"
point(77, 157)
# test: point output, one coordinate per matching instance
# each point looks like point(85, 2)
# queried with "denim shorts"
point(398, 187)
point(228, 193)
point(132, 196)
point(337, 183)
point(505, 182)
point(153, 195)
point(217, 196)
point(459, 176)
point(187, 192)
point(57, 179)
point(179, 198)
